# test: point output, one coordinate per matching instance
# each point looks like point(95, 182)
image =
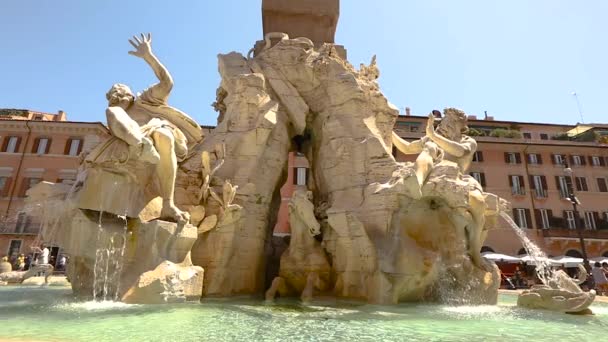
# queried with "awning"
point(568, 261)
point(532, 261)
point(496, 257)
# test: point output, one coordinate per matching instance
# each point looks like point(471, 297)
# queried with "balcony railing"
point(573, 233)
point(31, 229)
point(518, 191)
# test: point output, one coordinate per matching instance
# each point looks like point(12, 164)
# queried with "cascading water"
point(108, 265)
point(539, 258)
point(110, 249)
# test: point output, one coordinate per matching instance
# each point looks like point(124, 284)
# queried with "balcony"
point(31, 229)
point(518, 191)
point(573, 233)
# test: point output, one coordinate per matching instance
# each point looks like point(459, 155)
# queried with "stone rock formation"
point(388, 237)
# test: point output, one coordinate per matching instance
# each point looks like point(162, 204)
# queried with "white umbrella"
point(568, 261)
point(532, 261)
point(501, 257)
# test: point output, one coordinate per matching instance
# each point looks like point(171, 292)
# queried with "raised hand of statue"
point(430, 129)
point(142, 45)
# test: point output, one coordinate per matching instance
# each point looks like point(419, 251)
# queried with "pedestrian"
point(61, 263)
point(599, 277)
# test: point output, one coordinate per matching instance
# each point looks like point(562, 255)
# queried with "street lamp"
point(575, 203)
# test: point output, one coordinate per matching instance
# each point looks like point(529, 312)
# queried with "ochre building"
point(34, 147)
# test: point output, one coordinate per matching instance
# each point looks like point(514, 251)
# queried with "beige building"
point(36, 146)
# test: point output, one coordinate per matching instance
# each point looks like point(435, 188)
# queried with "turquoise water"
point(50, 314)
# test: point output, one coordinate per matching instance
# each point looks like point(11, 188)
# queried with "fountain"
point(163, 214)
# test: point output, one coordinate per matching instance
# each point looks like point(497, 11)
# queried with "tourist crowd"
point(525, 276)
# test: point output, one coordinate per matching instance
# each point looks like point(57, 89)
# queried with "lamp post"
point(575, 202)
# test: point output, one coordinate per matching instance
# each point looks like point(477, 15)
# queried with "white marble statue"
point(449, 143)
point(158, 132)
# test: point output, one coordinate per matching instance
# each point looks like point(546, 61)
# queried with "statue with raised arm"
point(155, 132)
point(448, 143)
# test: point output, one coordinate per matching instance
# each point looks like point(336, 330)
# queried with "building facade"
point(524, 163)
point(34, 147)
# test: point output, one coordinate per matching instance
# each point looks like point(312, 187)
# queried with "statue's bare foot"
point(172, 213)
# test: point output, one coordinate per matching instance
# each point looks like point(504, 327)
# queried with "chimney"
point(408, 111)
point(472, 117)
point(61, 116)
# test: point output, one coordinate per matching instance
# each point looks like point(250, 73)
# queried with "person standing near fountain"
point(161, 133)
point(599, 277)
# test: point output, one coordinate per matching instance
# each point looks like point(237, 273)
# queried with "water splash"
point(539, 258)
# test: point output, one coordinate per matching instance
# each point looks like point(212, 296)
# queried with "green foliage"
point(561, 136)
point(472, 132)
point(506, 133)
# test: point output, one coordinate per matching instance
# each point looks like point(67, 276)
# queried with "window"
point(581, 184)
point(11, 144)
point(601, 185)
point(479, 177)
point(478, 156)
point(14, 247)
point(73, 147)
point(590, 219)
point(300, 175)
point(535, 159)
point(5, 185)
point(577, 160)
point(512, 158)
point(558, 159)
point(570, 219)
point(544, 218)
point(539, 184)
point(562, 184)
point(21, 222)
point(521, 217)
point(596, 161)
point(41, 146)
point(527, 135)
point(517, 185)
point(544, 136)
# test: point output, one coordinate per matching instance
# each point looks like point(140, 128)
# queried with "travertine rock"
point(390, 237)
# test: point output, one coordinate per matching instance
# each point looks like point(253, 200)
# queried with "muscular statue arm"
point(143, 49)
point(457, 149)
point(123, 127)
point(454, 148)
point(407, 147)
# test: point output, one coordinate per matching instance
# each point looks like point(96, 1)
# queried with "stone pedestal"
point(112, 258)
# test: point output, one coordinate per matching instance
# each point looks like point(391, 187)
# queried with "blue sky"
point(519, 60)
